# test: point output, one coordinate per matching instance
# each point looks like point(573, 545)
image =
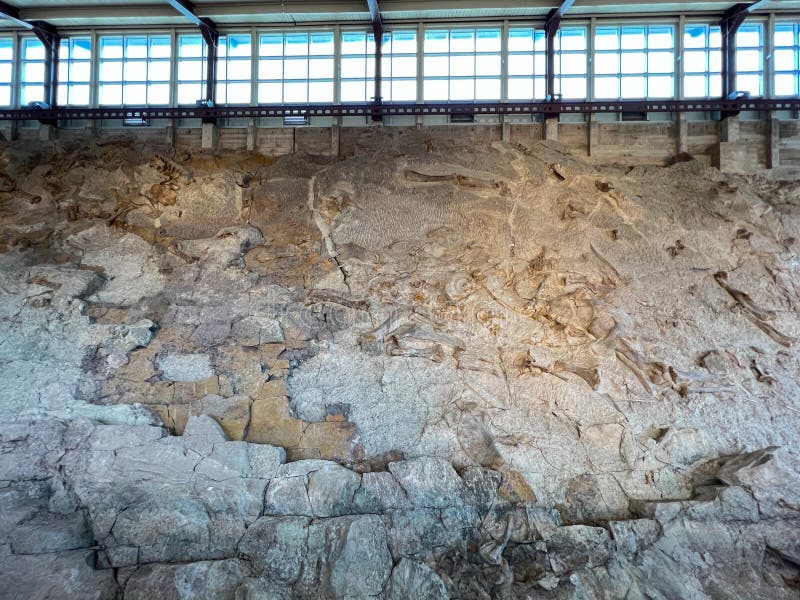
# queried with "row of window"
point(459, 64)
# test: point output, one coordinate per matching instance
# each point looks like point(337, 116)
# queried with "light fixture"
point(135, 122)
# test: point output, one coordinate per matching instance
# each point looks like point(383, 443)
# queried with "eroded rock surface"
point(423, 371)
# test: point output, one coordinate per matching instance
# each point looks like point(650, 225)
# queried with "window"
point(571, 58)
point(527, 63)
point(787, 59)
point(750, 59)
point(74, 71)
point(358, 66)
point(702, 61)
point(295, 68)
point(6, 69)
point(192, 53)
point(634, 62)
point(234, 69)
point(32, 72)
point(462, 64)
point(398, 66)
point(134, 70)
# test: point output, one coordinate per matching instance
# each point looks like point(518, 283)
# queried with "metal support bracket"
point(729, 25)
point(551, 25)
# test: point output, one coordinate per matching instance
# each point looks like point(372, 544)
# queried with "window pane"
point(321, 44)
point(238, 45)
point(111, 47)
point(694, 86)
point(633, 87)
point(784, 34)
point(436, 66)
point(190, 46)
point(136, 47)
point(606, 63)
point(159, 47)
point(573, 88)
point(659, 37)
point(520, 89)
point(270, 93)
point(462, 90)
point(748, 60)
point(633, 62)
point(238, 93)
point(606, 87)
point(749, 36)
point(134, 93)
point(785, 85)
point(158, 93)
point(189, 93)
point(295, 92)
point(159, 70)
point(488, 64)
point(6, 49)
point(239, 70)
point(435, 89)
point(606, 39)
point(354, 43)
point(31, 93)
point(462, 65)
point(571, 65)
point(715, 61)
point(5, 95)
point(488, 40)
point(660, 87)
point(695, 36)
point(354, 67)
point(520, 64)
point(404, 66)
point(488, 89)
point(190, 70)
point(436, 41)
point(403, 91)
point(353, 91)
point(320, 68)
point(633, 38)
point(81, 48)
point(695, 61)
point(462, 40)
point(404, 42)
point(749, 83)
point(296, 44)
point(572, 38)
point(110, 94)
point(135, 70)
point(33, 72)
point(111, 71)
point(660, 62)
point(785, 60)
point(270, 45)
point(320, 91)
point(32, 49)
point(5, 72)
point(80, 71)
point(520, 40)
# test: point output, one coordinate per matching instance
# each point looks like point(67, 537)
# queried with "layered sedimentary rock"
point(424, 370)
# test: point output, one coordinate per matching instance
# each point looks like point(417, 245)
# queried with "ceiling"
point(148, 13)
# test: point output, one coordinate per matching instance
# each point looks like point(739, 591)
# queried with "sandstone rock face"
point(466, 371)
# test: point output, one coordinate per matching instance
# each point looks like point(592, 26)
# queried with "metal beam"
point(377, 32)
point(729, 25)
point(551, 25)
point(11, 13)
point(210, 34)
point(445, 108)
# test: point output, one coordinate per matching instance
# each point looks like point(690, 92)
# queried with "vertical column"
point(420, 69)
point(504, 120)
point(774, 141)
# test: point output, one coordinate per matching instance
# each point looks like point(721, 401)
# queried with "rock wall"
point(431, 369)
